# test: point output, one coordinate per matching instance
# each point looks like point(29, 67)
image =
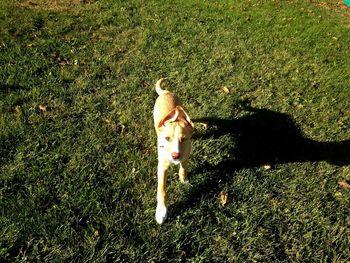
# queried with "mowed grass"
point(267, 84)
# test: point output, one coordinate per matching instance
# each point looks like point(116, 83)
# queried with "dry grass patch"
point(337, 8)
point(70, 6)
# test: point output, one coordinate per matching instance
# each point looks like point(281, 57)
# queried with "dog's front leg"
point(161, 212)
point(183, 171)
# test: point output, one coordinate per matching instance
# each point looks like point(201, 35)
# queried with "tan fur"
point(174, 130)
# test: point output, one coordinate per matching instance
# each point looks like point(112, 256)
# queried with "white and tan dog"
point(174, 130)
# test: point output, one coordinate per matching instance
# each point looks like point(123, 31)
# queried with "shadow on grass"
point(261, 137)
point(4, 88)
point(270, 137)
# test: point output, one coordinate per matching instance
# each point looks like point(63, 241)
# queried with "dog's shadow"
point(261, 137)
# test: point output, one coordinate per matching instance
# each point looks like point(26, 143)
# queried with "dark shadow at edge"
point(261, 137)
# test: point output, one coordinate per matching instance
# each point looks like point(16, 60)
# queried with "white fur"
point(161, 214)
point(172, 125)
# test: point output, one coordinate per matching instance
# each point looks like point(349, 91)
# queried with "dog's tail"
point(159, 90)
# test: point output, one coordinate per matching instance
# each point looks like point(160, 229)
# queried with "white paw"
point(184, 181)
point(161, 214)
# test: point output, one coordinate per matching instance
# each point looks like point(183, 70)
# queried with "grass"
point(78, 150)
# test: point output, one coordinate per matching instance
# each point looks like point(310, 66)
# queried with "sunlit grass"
point(266, 83)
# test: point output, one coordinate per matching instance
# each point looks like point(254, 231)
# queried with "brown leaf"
point(42, 108)
point(18, 109)
point(344, 184)
point(223, 198)
point(225, 89)
point(31, 3)
point(266, 166)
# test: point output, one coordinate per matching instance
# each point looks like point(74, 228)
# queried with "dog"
point(174, 130)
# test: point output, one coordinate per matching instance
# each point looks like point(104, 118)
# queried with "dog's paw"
point(184, 181)
point(183, 176)
point(161, 214)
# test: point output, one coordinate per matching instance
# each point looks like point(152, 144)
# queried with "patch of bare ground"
point(335, 7)
point(69, 6)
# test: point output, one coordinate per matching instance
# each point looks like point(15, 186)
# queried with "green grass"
point(78, 150)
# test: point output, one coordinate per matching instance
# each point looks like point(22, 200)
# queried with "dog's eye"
point(167, 138)
point(182, 139)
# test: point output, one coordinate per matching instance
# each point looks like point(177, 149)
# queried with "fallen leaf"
point(18, 109)
point(340, 123)
point(344, 184)
point(225, 89)
point(63, 62)
point(266, 166)
point(31, 3)
point(338, 194)
point(43, 108)
point(203, 125)
point(223, 198)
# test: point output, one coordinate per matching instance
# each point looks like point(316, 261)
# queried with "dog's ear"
point(184, 118)
point(172, 116)
point(177, 114)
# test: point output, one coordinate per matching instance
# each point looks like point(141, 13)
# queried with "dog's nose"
point(175, 155)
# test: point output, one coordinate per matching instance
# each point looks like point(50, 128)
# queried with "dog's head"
point(174, 137)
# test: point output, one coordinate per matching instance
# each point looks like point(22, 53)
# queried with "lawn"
point(267, 85)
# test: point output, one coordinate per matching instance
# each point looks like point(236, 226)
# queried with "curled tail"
point(159, 90)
